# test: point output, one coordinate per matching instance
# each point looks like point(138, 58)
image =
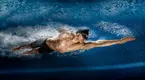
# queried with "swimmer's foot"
point(16, 48)
point(126, 39)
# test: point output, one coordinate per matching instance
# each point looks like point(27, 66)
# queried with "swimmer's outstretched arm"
point(106, 43)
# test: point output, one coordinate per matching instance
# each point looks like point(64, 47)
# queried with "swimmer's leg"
point(33, 51)
point(35, 44)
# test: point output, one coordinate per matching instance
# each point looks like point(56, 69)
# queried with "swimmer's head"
point(82, 35)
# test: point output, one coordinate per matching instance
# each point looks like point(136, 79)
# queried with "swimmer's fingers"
point(127, 39)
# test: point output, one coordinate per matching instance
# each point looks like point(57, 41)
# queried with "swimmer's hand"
point(126, 39)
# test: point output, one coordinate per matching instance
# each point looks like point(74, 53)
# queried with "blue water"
point(27, 20)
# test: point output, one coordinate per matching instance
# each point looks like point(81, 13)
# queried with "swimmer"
point(68, 41)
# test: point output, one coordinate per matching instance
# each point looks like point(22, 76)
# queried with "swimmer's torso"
point(62, 43)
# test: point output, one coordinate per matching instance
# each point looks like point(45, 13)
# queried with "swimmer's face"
point(80, 38)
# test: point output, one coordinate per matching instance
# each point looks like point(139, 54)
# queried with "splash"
point(12, 37)
point(114, 28)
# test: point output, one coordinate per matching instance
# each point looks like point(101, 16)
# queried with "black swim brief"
point(43, 47)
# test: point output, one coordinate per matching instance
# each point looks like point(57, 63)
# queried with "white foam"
point(114, 28)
